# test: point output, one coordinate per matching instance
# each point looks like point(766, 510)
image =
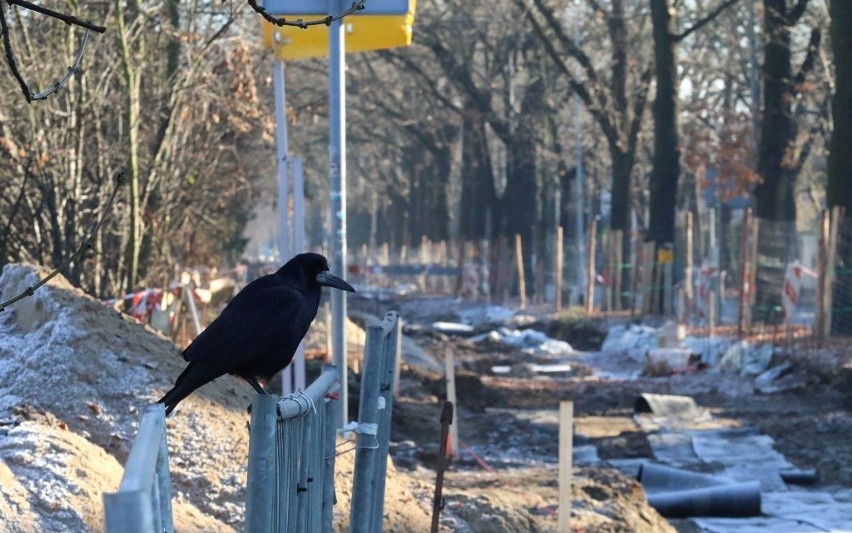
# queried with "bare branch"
point(299, 23)
point(67, 19)
point(10, 57)
point(73, 69)
point(579, 88)
point(809, 61)
point(707, 19)
point(87, 244)
point(796, 13)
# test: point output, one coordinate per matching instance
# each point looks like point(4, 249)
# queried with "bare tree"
point(615, 93)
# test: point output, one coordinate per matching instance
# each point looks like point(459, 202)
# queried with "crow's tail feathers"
point(171, 399)
point(183, 388)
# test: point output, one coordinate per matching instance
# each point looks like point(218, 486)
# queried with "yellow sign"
point(664, 256)
point(362, 33)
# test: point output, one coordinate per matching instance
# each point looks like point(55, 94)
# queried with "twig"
point(84, 246)
point(10, 57)
point(73, 69)
point(299, 23)
point(67, 19)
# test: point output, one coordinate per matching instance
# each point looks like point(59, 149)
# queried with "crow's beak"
point(330, 280)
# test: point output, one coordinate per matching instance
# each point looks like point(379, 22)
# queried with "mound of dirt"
point(73, 374)
point(54, 480)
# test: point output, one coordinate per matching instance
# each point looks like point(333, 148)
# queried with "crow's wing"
point(258, 317)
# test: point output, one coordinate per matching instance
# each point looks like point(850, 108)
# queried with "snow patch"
point(528, 340)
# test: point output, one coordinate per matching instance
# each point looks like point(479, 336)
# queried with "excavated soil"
point(73, 374)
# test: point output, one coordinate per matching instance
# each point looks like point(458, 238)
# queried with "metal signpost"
point(398, 15)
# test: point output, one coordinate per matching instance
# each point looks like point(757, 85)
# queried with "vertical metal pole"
point(281, 152)
point(337, 176)
point(298, 205)
point(283, 185)
point(391, 352)
point(299, 247)
point(328, 450)
point(262, 468)
point(366, 453)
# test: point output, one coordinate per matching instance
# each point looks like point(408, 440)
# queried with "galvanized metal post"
point(367, 451)
point(298, 248)
point(282, 149)
point(337, 177)
point(260, 489)
point(390, 352)
point(328, 448)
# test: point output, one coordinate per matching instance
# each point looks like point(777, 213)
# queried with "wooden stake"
point(610, 271)
point(711, 315)
point(690, 259)
point(822, 261)
point(657, 287)
point(744, 266)
point(667, 288)
point(751, 269)
point(438, 500)
point(830, 264)
point(558, 275)
point(522, 282)
point(634, 278)
point(460, 260)
point(566, 450)
point(618, 260)
point(590, 267)
point(450, 376)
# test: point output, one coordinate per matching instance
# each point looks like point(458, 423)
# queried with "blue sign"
point(297, 8)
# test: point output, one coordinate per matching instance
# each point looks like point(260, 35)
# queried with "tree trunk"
point(666, 164)
point(519, 204)
point(477, 177)
point(775, 194)
point(839, 188)
point(621, 208)
point(132, 78)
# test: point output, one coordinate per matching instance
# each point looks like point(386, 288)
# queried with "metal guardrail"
point(291, 461)
point(143, 503)
point(381, 360)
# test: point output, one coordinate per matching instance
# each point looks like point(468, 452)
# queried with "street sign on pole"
point(383, 24)
point(297, 8)
point(379, 32)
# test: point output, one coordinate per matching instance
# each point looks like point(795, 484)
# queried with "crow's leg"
point(255, 385)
